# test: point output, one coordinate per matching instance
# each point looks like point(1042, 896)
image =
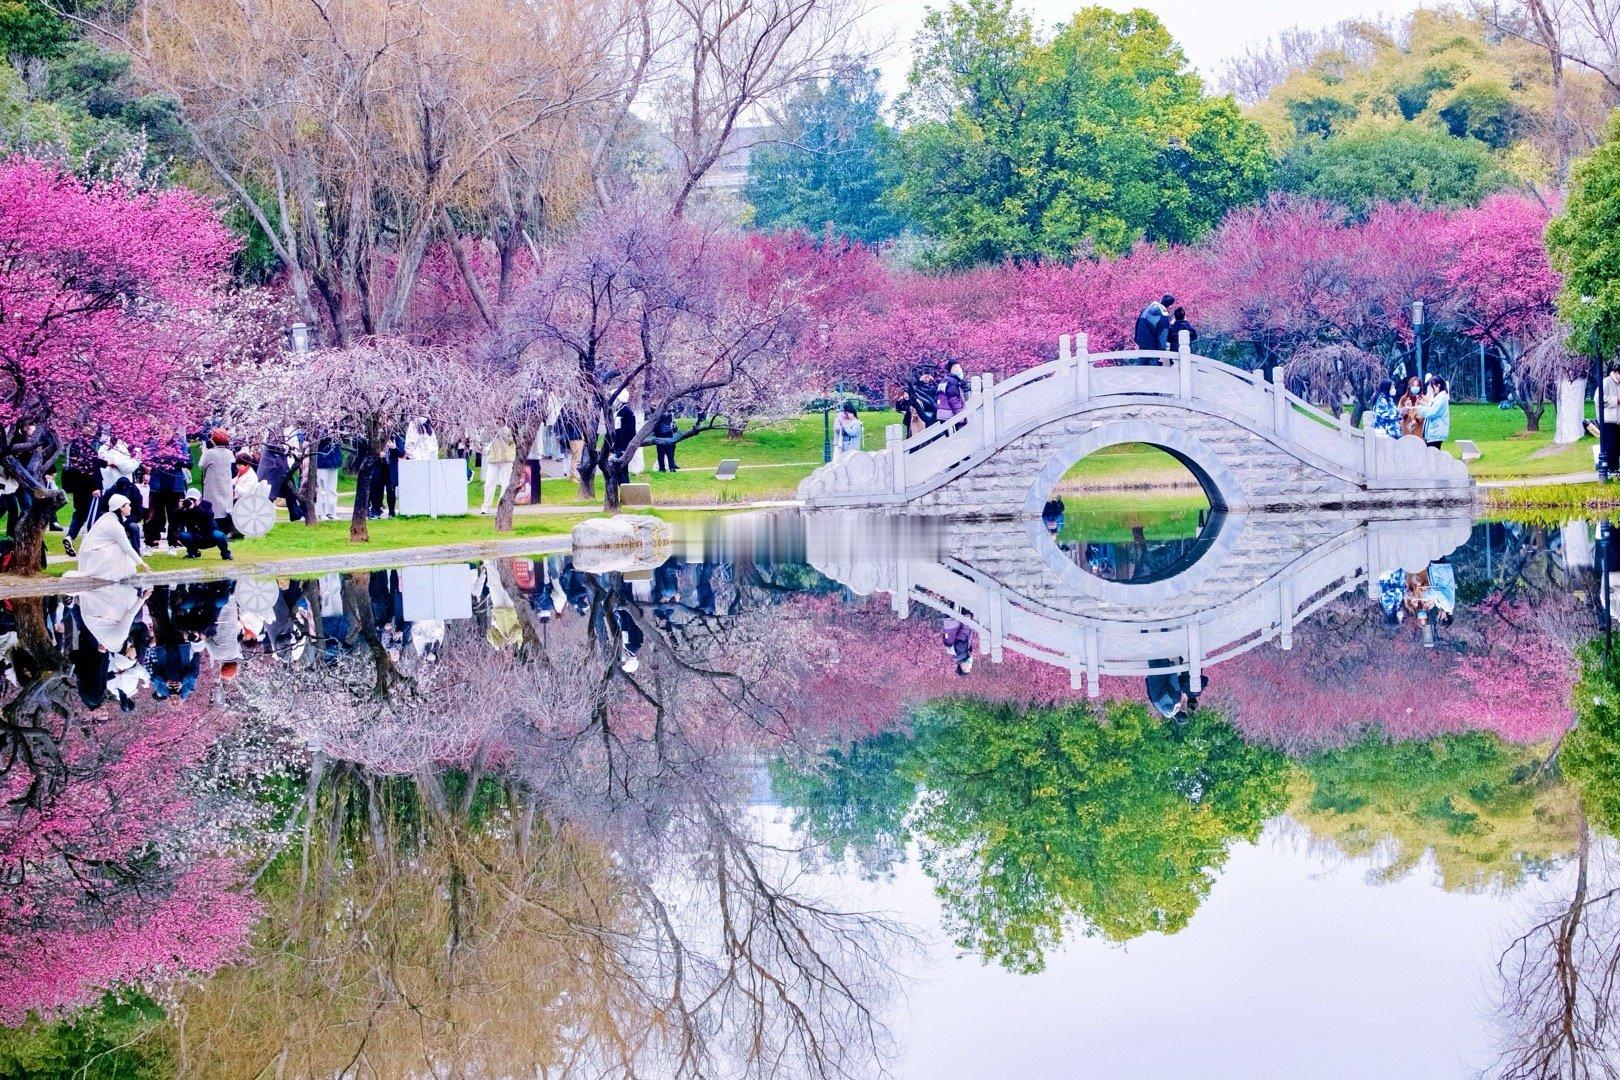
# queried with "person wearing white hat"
point(106, 552)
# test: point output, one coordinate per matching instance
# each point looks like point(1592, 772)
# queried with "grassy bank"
point(1552, 501)
point(290, 541)
point(776, 456)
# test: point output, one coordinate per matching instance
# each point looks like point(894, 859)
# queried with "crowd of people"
point(933, 396)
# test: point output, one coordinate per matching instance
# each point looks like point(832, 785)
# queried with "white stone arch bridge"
point(1251, 444)
point(1255, 580)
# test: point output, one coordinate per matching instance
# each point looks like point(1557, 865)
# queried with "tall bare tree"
point(1583, 35)
point(352, 132)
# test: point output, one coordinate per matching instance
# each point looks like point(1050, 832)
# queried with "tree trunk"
point(1570, 421)
point(525, 437)
point(1579, 553)
point(359, 533)
point(587, 468)
point(610, 486)
point(306, 486)
point(1532, 414)
point(29, 557)
point(508, 504)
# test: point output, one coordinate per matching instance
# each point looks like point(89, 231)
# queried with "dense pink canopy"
point(105, 295)
point(1273, 277)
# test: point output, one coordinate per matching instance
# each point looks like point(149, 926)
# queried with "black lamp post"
point(826, 431)
point(1417, 334)
point(1604, 464)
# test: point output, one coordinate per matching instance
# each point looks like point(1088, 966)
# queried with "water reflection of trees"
point(1035, 822)
point(530, 846)
point(115, 866)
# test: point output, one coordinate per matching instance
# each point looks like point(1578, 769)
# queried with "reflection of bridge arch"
point(1252, 444)
point(1011, 584)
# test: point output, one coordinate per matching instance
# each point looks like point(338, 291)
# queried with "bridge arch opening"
point(1130, 512)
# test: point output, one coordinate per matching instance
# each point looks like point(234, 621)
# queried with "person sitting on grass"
point(199, 528)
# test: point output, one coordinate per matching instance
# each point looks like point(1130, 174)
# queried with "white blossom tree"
point(368, 392)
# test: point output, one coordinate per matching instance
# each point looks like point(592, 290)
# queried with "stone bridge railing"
point(998, 413)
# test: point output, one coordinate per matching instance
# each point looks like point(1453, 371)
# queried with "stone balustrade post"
point(1184, 369)
point(1280, 409)
point(1082, 368)
point(1195, 658)
point(894, 440)
point(988, 391)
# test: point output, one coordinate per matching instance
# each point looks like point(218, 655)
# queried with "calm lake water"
point(1223, 796)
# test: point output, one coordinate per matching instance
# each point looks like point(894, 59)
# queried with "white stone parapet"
point(1252, 444)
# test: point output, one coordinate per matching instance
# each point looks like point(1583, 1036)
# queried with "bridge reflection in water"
point(1250, 580)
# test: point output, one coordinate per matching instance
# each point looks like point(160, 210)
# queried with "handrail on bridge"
point(1077, 376)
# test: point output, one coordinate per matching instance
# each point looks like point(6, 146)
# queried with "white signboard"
point(436, 592)
point(436, 488)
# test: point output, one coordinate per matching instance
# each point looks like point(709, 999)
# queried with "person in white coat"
point(421, 444)
point(106, 552)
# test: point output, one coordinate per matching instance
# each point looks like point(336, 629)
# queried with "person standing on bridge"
point(1153, 325)
point(1436, 412)
point(924, 393)
point(951, 398)
point(1179, 324)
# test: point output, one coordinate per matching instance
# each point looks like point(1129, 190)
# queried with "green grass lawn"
point(1507, 449)
point(1112, 519)
point(297, 541)
point(775, 456)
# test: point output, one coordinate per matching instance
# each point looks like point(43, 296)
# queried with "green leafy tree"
point(28, 28)
point(1033, 819)
point(1441, 72)
point(1484, 808)
point(1590, 754)
point(1402, 163)
point(831, 169)
point(1584, 245)
point(1102, 136)
point(122, 1037)
point(854, 802)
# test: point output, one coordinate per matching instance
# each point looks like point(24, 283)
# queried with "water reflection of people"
point(1174, 693)
point(1429, 596)
point(959, 641)
point(1052, 515)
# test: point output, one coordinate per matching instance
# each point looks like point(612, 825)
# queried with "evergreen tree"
point(830, 170)
point(1405, 163)
point(1584, 245)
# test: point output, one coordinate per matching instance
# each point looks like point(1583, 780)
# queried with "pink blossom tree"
point(674, 314)
point(1292, 272)
point(1500, 290)
point(108, 878)
point(102, 293)
point(369, 391)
